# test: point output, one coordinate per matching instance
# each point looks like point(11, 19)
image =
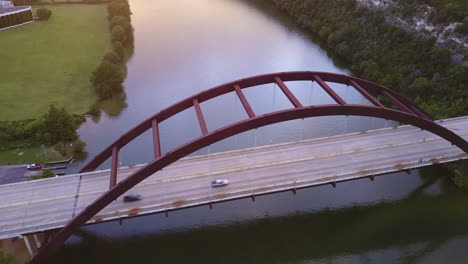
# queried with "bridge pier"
point(28, 246)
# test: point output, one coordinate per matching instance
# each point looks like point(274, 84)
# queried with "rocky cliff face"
point(415, 18)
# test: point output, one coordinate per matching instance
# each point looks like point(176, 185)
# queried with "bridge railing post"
point(115, 165)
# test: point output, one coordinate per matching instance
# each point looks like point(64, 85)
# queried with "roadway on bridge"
point(39, 205)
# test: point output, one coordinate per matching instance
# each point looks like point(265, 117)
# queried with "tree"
point(106, 78)
point(118, 8)
point(118, 34)
point(112, 57)
point(43, 13)
point(78, 146)
point(7, 258)
point(420, 87)
point(118, 48)
point(121, 21)
point(59, 125)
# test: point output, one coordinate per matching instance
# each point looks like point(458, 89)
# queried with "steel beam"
point(288, 93)
point(329, 90)
point(156, 139)
point(201, 119)
point(397, 103)
point(366, 94)
point(244, 101)
point(114, 167)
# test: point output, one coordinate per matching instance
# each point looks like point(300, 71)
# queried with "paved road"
point(13, 173)
point(50, 203)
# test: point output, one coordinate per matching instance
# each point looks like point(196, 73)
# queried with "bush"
point(118, 48)
point(43, 13)
point(112, 57)
point(7, 258)
point(78, 146)
point(118, 34)
point(94, 110)
point(121, 21)
point(47, 173)
point(107, 78)
point(118, 8)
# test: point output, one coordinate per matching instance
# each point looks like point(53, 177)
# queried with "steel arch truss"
point(401, 110)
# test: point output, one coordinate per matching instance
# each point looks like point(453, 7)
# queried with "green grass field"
point(50, 62)
point(29, 155)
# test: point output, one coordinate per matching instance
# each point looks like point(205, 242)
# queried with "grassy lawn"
point(51, 62)
point(29, 155)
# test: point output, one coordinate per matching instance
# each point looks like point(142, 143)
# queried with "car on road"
point(219, 183)
point(34, 166)
point(132, 198)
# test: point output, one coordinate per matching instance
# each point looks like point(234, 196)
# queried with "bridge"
point(252, 171)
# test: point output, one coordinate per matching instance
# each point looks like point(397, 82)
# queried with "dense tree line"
point(386, 54)
point(57, 125)
point(110, 73)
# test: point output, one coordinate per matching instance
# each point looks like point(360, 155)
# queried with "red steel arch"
point(407, 113)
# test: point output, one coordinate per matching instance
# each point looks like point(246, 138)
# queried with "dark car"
point(34, 166)
point(132, 198)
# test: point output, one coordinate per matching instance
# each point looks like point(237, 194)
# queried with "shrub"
point(118, 34)
point(118, 48)
point(112, 57)
point(78, 146)
point(107, 78)
point(121, 21)
point(47, 173)
point(94, 110)
point(7, 258)
point(119, 8)
point(43, 13)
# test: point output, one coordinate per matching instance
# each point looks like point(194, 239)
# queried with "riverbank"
point(50, 62)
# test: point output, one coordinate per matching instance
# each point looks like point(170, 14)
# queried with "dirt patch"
point(220, 196)
point(134, 211)
point(434, 161)
point(179, 203)
point(364, 172)
point(399, 166)
point(97, 219)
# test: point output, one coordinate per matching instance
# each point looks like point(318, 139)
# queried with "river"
point(184, 47)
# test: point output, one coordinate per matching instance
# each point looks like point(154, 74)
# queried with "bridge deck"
point(40, 205)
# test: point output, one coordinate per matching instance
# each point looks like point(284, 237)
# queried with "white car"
point(219, 183)
point(34, 166)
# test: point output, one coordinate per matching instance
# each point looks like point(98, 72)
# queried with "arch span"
point(407, 113)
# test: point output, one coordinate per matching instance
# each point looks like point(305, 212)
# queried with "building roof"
point(5, 11)
point(4, 4)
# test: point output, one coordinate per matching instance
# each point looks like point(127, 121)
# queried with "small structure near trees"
point(11, 15)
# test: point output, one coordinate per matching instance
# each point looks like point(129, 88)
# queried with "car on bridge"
point(34, 166)
point(219, 183)
point(132, 198)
